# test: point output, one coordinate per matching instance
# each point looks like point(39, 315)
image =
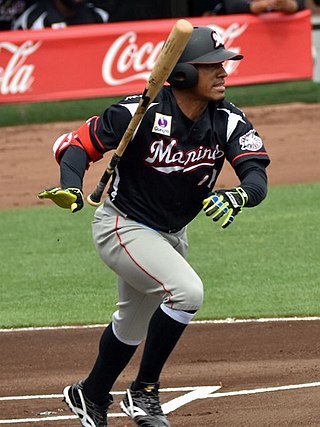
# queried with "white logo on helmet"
point(250, 141)
point(217, 40)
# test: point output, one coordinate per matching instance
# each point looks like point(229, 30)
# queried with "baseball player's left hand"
point(225, 204)
point(69, 198)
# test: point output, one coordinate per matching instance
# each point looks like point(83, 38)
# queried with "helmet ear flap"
point(183, 76)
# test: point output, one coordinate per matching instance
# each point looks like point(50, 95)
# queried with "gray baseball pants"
point(151, 269)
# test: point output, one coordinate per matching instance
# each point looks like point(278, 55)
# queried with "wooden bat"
point(169, 55)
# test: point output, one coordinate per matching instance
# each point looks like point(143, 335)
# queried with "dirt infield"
point(226, 374)
point(239, 358)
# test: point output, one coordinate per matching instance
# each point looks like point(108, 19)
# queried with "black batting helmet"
point(204, 47)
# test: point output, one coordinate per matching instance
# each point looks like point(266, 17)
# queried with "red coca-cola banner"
point(115, 59)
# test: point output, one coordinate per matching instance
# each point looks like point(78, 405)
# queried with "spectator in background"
point(313, 6)
point(256, 7)
point(9, 10)
point(59, 14)
point(286, 6)
point(137, 10)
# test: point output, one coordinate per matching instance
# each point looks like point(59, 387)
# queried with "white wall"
point(316, 46)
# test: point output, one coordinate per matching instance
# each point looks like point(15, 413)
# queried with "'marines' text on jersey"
point(168, 159)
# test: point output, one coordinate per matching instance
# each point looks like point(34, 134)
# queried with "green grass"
point(266, 264)
point(52, 274)
point(275, 93)
point(48, 112)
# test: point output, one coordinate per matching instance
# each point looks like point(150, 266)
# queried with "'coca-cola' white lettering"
point(126, 62)
point(17, 76)
point(130, 58)
point(168, 159)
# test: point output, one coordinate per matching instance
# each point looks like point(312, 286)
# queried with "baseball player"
point(164, 179)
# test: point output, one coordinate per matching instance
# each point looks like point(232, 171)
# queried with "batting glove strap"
point(68, 198)
point(225, 205)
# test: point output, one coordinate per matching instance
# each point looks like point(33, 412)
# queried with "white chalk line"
point(60, 396)
point(194, 393)
point(195, 322)
point(198, 393)
point(266, 390)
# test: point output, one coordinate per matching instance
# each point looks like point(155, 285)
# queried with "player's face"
point(211, 82)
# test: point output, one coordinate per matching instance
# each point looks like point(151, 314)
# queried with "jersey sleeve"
point(243, 141)
point(97, 135)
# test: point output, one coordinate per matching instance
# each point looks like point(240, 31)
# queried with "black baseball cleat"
point(143, 406)
point(89, 414)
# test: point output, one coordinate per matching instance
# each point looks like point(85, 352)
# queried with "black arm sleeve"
point(72, 167)
point(253, 177)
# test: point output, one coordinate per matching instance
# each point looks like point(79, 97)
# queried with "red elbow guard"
point(79, 138)
point(83, 135)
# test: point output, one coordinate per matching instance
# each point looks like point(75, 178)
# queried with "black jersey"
point(172, 163)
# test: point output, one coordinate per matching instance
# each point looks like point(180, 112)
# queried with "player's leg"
point(132, 319)
point(152, 264)
point(91, 398)
point(147, 260)
point(153, 271)
point(116, 349)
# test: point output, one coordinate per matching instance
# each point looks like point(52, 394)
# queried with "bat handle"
point(94, 199)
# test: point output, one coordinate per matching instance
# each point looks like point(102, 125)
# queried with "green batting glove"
point(225, 205)
point(68, 198)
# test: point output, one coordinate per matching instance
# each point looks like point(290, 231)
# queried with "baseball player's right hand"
point(68, 198)
point(225, 204)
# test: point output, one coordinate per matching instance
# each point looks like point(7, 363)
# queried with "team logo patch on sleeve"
point(162, 124)
point(250, 141)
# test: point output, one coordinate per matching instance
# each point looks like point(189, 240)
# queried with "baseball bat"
point(167, 59)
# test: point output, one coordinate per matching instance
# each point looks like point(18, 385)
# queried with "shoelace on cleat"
point(150, 401)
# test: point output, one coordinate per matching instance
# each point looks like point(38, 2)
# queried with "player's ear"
point(183, 76)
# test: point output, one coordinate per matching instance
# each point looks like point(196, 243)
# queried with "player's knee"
point(187, 298)
point(194, 298)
